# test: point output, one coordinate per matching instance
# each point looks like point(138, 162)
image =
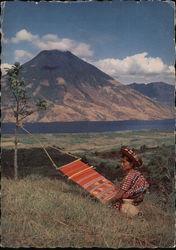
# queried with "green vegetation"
point(85, 142)
point(38, 211)
point(20, 105)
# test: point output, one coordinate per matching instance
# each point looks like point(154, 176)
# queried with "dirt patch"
point(33, 161)
point(117, 154)
point(109, 154)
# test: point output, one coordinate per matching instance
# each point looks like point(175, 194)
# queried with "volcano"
point(78, 91)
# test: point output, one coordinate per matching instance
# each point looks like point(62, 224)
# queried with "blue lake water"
point(90, 126)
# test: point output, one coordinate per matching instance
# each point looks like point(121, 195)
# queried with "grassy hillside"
point(45, 210)
point(39, 212)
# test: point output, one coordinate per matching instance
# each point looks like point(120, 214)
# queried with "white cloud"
point(4, 66)
point(64, 44)
point(3, 39)
point(83, 50)
point(52, 41)
point(50, 37)
point(24, 35)
point(22, 55)
point(136, 68)
point(139, 68)
point(171, 70)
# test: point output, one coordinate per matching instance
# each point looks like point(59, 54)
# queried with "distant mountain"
point(158, 91)
point(77, 91)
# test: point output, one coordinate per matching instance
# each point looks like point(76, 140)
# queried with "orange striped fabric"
point(89, 179)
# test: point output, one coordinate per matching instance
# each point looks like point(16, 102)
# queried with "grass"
point(81, 142)
point(39, 212)
point(47, 213)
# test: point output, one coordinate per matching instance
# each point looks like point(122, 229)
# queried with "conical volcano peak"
point(51, 56)
point(54, 52)
point(56, 63)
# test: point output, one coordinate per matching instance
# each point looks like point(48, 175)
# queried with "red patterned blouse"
point(133, 184)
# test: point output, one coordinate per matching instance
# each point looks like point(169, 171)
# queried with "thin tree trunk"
point(16, 154)
point(16, 148)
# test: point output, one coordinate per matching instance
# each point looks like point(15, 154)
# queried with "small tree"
point(20, 107)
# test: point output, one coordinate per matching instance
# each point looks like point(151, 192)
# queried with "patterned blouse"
point(134, 184)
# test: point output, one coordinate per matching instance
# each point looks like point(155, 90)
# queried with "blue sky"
point(132, 42)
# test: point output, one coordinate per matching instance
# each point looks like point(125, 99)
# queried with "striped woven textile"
point(89, 179)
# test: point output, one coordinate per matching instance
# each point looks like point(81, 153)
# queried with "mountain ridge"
point(159, 91)
point(77, 91)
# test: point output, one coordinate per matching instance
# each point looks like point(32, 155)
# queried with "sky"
point(131, 41)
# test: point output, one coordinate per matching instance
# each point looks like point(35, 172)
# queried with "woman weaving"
point(133, 187)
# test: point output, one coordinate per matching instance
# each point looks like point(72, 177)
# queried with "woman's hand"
point(117, 188)
point(117, 196)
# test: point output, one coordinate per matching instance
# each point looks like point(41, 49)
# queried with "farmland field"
point(42, 195)
point(75, 142)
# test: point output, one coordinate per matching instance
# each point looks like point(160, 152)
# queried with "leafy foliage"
point(20, 106)
point(41, 104)
point(21, 96)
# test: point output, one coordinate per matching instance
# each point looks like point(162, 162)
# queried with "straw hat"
point(131, 155)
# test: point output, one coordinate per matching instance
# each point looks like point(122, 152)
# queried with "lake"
point(90, 126)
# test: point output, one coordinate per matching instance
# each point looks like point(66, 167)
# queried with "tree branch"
point(22, 118)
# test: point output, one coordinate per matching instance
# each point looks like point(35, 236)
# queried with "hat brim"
point(132, 156)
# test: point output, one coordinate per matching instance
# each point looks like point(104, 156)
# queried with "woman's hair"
point(129, 160)
point(131, 156)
